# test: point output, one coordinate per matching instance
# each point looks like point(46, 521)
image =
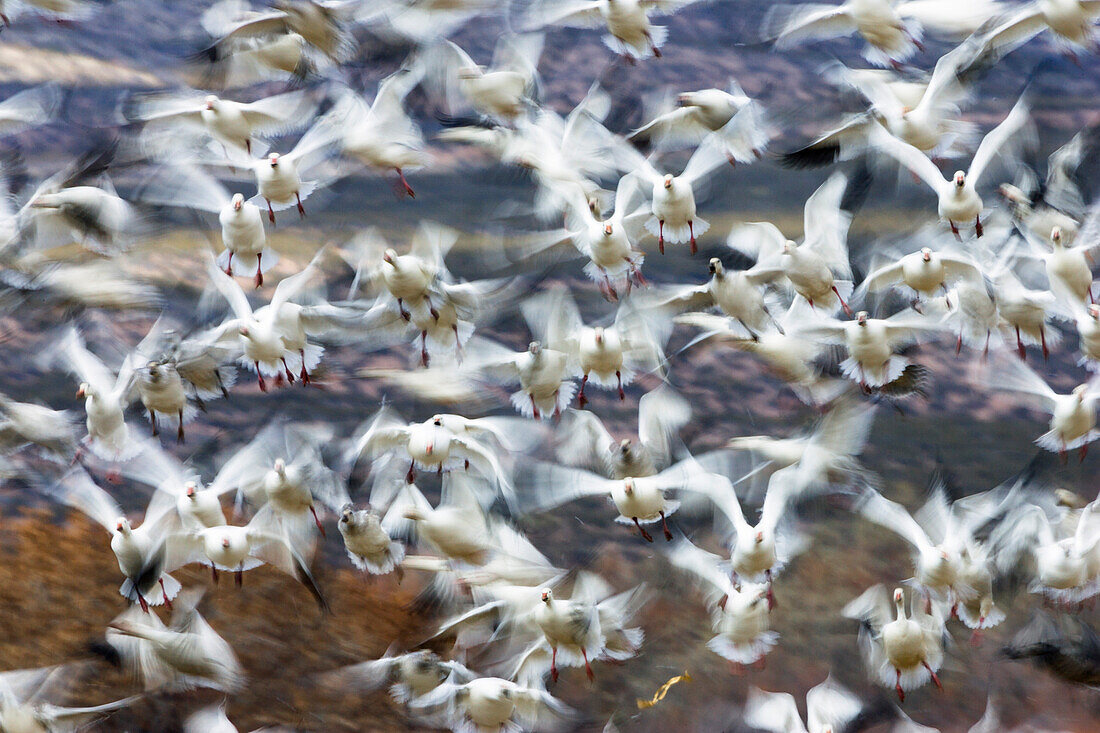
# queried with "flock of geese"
point(1002, 277)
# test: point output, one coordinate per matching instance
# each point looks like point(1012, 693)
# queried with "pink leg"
point(259, 271)
point(581, 399)
point(214, 574)
point(1043, 341)
point(691, 230)
point(410, 475)
point(260, 376)
point(978, 225)
point(405, 184)
point(897, 686)
point(587, 667)
point(645, 535)
point(661, 235)
point(270, 212)
point(935, 679)
point(535, 408)
point(179, 428)
point(619, 376)
point(401, 307)
point(301, 209)
point(317, 521)
point(304, 376)
point(554, 663)
point(144, 604)
point(1020, 345)
point(229, 265)
point(424, 348)
point(167, 600)
point(847, 310)
point(771, 596)
point(955, 230)
point(289, 374)
point(664, 526)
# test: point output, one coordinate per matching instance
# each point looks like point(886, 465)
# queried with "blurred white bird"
point(25, 706)
point(829, 707)
point(502, 92)
point(630, 32)
point(737, 120)
point(408, 675)
point(489, 703)
point(903, 651)
point(959, 201)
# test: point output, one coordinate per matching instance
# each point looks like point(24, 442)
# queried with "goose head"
point(84, 390)
point(960, 179)
point(789, 246)
point(1056, 235)
point(122, 526)
point(273, 160)
point(279, 467)
point(238, 201)
point(546, 595)
point(1080, 391)
point(628, 487)
point(625, 447)
point(685, 100)
point(225, 542)
point(190, 489)
point(347, 513)
point(597, 334)
point(209, 102)
point(1094, 311)
point(861, 318)
point(608, 230)
point(668, 180)
point(899, 602)
point(153, 368)
point(534, 348)
point(715, 267)
point(759, 538)
point(243, 330)
point(926, 254)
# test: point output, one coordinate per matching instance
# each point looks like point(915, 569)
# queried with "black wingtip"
point(809, 157)
point(100, 648)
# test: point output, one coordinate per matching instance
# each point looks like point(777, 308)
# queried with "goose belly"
point(1072, 419)
point(165, 395)
point(489, 709)
point(674, 205)
point(1072, 270)
point(227, 124)
point(367, 540)
point(903, 642)
point(960, 206)
point(242, 231)
point(924, 277)
point(643, 505)
point(279, 184)
point(1066, 18)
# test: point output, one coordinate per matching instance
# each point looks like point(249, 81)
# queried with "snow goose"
point(53, 432)
point(67, 206)
point(936, 565)
point(367, 543)
point(235, 549)
point(788, 356)
point(323, 24)
point(871, 343)
point(830, 708)
point(212, 719)
point(427, 446)
point(590, 625)
point(959, 201)
point(925, 272)
point(630, 31)
point(900, 651)
point(1072, 416)
point(739, 294)
point(739, 615)
point(198, 505)
point(25, 706)
point(583, 440)
point(638, 499)
point(545, 375)
point(828, 454)
point(501, 93)
point(607, 355)
point(486, 704)
point(672, 199)
point(739, 122)
point(407, 675)
point(1039, 206)
point(279, 176)
point(818, 267)
point(1025, 312)
point(1063, 561)
point(142, 552)
point(923, 114)
point(607, 243)
point(199, 362)
point(105, 396)
point(236, 125)
point(1071, 21)
point(242, 227)
point(892, 31)
point(1068, 267)
point(458, 529)
point(380, 134)
point(1087, 320)
point(277, 339)
point(184, 655)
